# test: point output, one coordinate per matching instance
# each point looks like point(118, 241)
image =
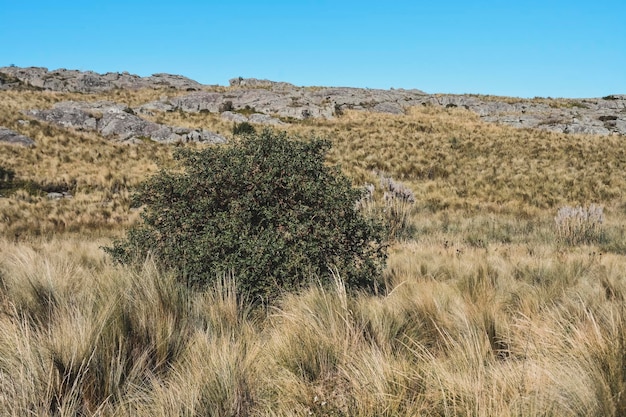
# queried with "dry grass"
point(487, 310)
point(484, 332)
point(448, 157)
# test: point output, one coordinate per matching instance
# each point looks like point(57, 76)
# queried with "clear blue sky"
point(516, 48)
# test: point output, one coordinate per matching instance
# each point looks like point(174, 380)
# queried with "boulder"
point(264, 119)
point(117, 121)
point(197, 102)
point(233, 117)
point(258, 118)
point(13, 138)
point(256, 83)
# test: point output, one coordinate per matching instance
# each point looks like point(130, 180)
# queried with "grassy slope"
point(488, 313)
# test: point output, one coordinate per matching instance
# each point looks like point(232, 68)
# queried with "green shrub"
point(266, 209)
point(243, 128)
point(6, 176)
point(6, 179)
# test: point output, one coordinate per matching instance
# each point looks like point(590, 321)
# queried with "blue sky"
point(514, 48)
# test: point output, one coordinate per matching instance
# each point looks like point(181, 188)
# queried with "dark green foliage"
point(243, 128)
point(6, 174)
point(6, 177)
point(9, 183)
point(266, 209)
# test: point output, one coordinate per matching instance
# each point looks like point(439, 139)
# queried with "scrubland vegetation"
point(492, 305)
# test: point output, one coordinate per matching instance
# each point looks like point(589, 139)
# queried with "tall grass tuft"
point(394, 208)
point(576, 225)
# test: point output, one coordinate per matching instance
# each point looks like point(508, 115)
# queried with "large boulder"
point(119, 122)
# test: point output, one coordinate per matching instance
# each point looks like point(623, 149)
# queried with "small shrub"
point(6, 176)
point(226, 106)
point(246, 111)
point(576, 225)
point(266, 209)
point(243, 128)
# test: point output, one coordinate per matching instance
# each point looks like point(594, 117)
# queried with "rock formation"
point(117, 121)
point(292, 102)
point(598, 116)
point(91, 82)
point(11, 137)
point(270, 102)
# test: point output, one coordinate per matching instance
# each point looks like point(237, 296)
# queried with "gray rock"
point(271, 101)
point(9, 82)
point(233, 117)
point(172, 81)
point(264, 119)
point(256, 83)
point(586, 116)
point(150, 108)
point(11, 137)
point(55, 196)
point(197, 102)
point(388, 107)
point(258, 118)
point(91, 82)
point(287, 101)
point(117, 121)
point(70, 114)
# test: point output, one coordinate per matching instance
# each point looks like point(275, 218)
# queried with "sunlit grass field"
point(488, 310)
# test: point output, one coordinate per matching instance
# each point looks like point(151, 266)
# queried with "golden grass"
point(451, 159)
point(486, 332)
point(486, 311)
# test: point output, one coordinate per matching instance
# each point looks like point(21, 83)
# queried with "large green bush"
point(266, 209)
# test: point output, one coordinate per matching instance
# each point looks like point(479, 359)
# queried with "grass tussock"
point(483, 333)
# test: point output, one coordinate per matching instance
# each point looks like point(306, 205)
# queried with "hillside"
point(504, 288)
point(268, 98)
point(455, 151)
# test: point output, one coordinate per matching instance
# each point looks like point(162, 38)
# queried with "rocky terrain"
point(118, 121)
point(275, 103)
point(87, 81)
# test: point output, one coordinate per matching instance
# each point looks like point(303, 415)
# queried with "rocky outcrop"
point(602, 116)
point(598, 116)
point(297, 103)
point(13, 138)
point(257, 118)
point(9, 82)
point(270, 102)
point(91, 82)
point(256, 83)
point(119, 122)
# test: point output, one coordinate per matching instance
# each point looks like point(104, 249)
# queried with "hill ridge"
point(274, 102)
